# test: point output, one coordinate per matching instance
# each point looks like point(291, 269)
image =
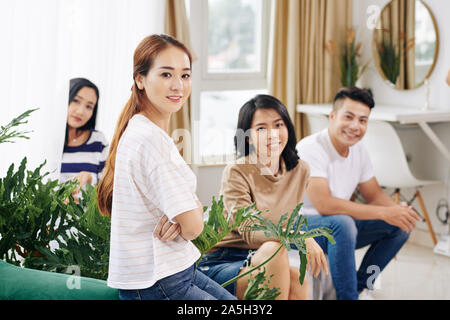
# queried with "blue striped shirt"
point(90, 156)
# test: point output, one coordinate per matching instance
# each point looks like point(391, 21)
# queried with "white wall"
point(425, 160)
point(47, 42)
point(208, 183)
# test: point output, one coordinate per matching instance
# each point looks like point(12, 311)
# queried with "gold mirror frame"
point(376, 53)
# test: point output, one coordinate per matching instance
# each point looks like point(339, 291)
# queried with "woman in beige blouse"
point(269, 172)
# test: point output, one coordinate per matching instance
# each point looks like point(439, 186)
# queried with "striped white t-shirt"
point(151, 180)
point(90, 156)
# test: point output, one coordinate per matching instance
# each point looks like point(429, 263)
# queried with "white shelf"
point(400, 114)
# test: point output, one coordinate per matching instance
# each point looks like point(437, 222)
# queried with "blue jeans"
point(225, 264)
point(188, 284)
point(350, 234)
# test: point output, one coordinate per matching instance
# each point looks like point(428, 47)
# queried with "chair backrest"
point(317, 122)
point(387, 155)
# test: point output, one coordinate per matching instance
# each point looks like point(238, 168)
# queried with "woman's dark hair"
point(262, 101)
point(356, 94)
point(76, 84)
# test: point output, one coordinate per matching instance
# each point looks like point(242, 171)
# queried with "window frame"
point(202, 80)
point(236, 75)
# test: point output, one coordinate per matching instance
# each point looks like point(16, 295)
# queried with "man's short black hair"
point(354, 93)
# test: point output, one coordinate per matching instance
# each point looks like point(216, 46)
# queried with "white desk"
point(402, 115)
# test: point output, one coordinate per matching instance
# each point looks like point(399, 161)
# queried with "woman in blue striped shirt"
point(85, 149)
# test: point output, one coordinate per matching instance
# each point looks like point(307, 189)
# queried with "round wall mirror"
point(405, 43)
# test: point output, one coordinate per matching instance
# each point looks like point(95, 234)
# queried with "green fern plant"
point(287, 231)
point(86, 245)
point(7, 132)
point(32, 212)
point(218, 226)
point(258, 288)
point(287, 234)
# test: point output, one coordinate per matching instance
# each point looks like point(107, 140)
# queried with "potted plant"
point(288, 230)
point(33, 213)
point(390, 54)
point(351, 69)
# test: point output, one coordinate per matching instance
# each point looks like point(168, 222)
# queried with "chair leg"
point(427, 218)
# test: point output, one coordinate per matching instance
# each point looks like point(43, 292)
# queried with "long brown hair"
point(144, 56)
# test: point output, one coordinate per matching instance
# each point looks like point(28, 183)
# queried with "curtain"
point(47, 42)
point(177, 25)
point(398, 28)
point(302, 70)
point(407, 30)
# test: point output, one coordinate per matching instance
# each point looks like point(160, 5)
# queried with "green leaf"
point(218, 226)
point(302, 268)
point(33, 213)
point(6, 132)
point(258, 289)
point(289, 234)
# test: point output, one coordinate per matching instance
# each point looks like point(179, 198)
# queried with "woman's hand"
point(316, 258)
point(83, 178)
point(166, 230)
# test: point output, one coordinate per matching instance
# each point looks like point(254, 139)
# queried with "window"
point(234, 36)
point(219, 114)
point(425, 36)
point(230, 37)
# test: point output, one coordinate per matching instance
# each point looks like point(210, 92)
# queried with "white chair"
point(390, 166)
point(320, 288)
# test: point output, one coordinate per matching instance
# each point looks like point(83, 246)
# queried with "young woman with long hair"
point(149, 190)
point(268, 171)
point(85, 149)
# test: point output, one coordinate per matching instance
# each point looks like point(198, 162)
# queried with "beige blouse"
point(246, 182)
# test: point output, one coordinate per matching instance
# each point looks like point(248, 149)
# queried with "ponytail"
point(106, 184)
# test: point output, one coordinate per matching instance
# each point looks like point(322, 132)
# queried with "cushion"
point(18, 283)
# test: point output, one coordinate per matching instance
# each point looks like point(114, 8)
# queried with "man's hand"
point(402, 216)
point(166, 230)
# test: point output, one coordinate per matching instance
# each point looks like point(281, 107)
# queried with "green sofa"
point(18, 283)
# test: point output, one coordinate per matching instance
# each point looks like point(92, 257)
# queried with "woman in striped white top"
point(85, 149)
point(148, 189)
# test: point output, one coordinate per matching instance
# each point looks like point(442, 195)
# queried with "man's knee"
point(400, 235)
point(344, 225)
